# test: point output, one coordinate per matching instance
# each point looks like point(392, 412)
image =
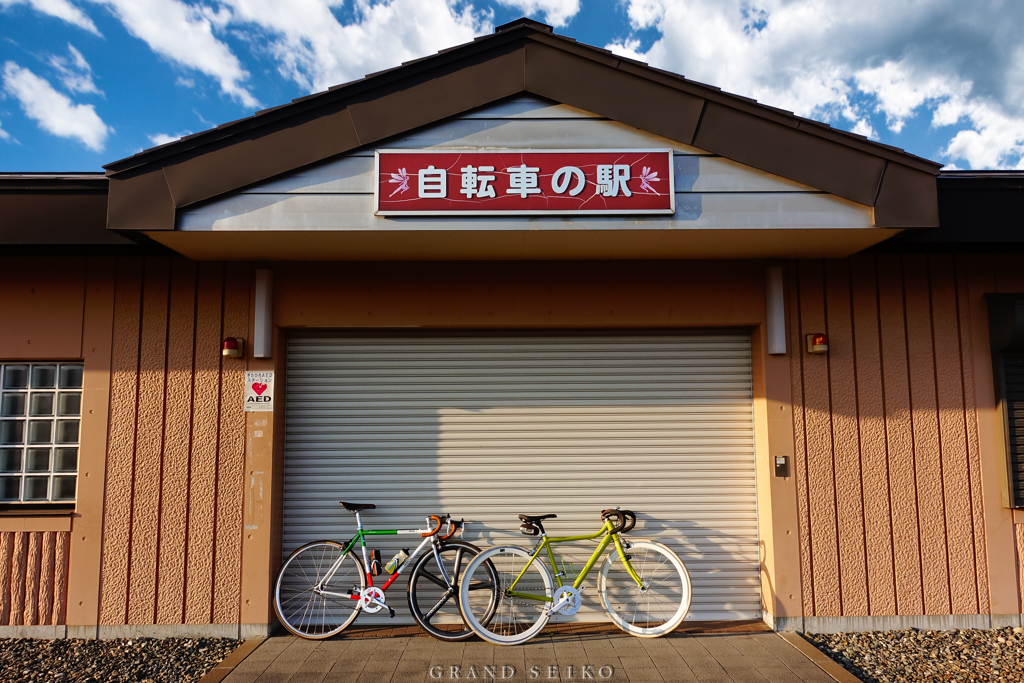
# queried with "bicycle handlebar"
point(436, 520)
point(623, 521)
point(453, 528)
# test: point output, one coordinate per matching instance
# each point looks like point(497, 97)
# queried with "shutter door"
point(487, 426)
point(1013, 387)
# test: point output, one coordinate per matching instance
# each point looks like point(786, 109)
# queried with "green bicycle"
point(644, 587)
point(322, 586)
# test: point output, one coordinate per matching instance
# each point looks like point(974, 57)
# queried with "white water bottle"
point(395, 562)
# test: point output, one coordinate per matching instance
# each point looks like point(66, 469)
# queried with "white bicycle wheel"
point(309, 605)
point(516, 619)
point(660, 605)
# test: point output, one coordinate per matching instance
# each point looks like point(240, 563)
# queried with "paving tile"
point(417, 671)
point(676, 671)
point(730, 653)
point(644, 676)
point(274, 677)
point(374, 677)
point(780, 648)
point(718, 676)
point(636, 661)
point(779, 674)
point(241, 677)
point(341, 676)
point(706, 669)
point(307, 677)
point(690, 648)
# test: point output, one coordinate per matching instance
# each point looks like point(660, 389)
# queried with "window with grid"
point(40, 420)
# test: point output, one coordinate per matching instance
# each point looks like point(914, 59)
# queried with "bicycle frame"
point(360, 537)
point(607, 531)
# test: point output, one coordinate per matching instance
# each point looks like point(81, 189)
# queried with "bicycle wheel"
point(657, 607)
point(515, 619)
point(301, 597)
point(435, 606)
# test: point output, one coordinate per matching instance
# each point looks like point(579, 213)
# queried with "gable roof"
point(523, 56)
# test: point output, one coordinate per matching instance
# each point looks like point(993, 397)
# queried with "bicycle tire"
point(647, 612)
point(515, 620)
point(430, 603)
point(314, 616)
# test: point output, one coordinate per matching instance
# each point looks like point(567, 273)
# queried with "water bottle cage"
point(375, 562)
point(529, 530)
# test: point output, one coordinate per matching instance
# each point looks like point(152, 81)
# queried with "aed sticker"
point(259, 391)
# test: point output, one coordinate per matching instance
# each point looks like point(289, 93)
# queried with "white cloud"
point(4, 135)
point(995, 141)
point(163, 138)
point(62, 9)
point(184, 35)
point(556, 12)
point(316, 51)
point(54, 111)
point(864, 127)
point(842, 59)
point(74, 72)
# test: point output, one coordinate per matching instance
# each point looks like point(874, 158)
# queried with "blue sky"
point(86, 82)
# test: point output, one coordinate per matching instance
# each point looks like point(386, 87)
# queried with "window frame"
point(52, 474)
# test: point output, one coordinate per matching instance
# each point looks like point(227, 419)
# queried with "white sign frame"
point(528, 212)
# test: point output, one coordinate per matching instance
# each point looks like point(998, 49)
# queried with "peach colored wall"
point(888, 460)
point(33, 577)
point(173, 508)
point(41, 304)
point(897, 442)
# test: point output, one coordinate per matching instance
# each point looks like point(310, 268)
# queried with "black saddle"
point(533, 519)
point(356, 507)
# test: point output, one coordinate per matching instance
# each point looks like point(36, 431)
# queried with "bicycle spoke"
point(299, 604)
point(514, 619)
point(664, 598)
point(433, 579)
point(440, 603)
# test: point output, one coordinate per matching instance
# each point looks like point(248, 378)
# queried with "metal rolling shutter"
point(1013, 408)
point(487, 426)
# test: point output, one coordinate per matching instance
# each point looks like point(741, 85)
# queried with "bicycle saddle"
point(533, 519)
point(356, 507)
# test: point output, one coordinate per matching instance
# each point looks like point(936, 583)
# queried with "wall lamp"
point(233, 347)
point(817, 343)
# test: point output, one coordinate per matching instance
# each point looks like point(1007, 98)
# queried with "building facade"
point(427, 358)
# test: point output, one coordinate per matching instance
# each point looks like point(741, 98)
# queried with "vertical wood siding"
point(173, 505)
point(888, 468)
point(33, 577)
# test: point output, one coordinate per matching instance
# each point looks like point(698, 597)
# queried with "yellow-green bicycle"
point(643, 586)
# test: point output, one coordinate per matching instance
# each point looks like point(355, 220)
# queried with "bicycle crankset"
point(372, 600)
point(567, 601)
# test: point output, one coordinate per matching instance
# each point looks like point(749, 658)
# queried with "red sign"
point(428, 182)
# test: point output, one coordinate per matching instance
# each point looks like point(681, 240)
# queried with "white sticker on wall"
point(259, 391)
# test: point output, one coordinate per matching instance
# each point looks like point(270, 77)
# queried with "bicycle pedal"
point(391, 611)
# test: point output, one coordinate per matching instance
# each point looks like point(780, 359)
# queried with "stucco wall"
point(33, 578)
point(172, 515)
point(888, 462)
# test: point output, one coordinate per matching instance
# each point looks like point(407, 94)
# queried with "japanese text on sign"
point(531, 182)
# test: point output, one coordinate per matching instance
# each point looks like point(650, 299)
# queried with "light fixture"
point(233, 347)
point(817, 343)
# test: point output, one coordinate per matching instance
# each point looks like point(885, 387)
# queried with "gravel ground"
point(913, 655)
point(166, 660)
